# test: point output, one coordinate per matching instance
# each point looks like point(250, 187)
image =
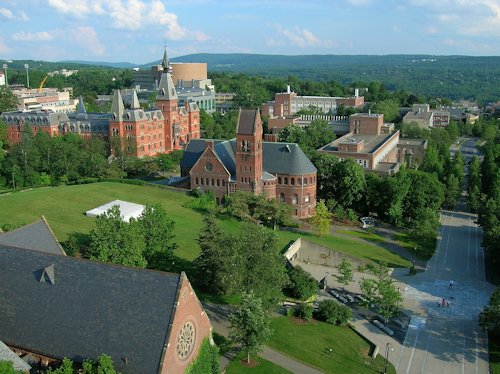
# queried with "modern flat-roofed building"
point(370, 142)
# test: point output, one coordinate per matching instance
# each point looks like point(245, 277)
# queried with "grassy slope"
point(311, 342)
point(64, 208)
point(264, 367)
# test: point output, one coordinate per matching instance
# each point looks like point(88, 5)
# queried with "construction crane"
point(41, 84)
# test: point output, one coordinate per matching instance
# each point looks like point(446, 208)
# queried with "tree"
point(65, 368)
point(368, 288)
point(489, 318)
point(452, 191)
point(334, 313)
point(302, 284)
point(157, 230)
point(345, 275)
point(389, 297)
point(115, 241)
point(250, 325)
point(217, 263)
point(321, 219)
point(389, 108)
point(8, 101)
point(262, 268)
point(7, 368)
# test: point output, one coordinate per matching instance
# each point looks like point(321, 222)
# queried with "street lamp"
point(5, 66)
point(26, 66)
point(387, 347)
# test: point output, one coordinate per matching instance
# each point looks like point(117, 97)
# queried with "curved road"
point(448, 340)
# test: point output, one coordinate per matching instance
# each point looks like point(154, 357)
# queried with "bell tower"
point(249, 151)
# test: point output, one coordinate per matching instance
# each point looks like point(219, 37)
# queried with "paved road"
point(448, 340)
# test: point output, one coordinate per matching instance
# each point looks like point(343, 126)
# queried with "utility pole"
point(387, 347)
point(26, 66)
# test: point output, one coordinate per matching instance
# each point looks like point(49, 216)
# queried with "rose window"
point(186, 340)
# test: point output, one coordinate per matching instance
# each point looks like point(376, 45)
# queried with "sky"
point(136, 31)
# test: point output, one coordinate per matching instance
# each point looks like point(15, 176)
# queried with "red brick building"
point(147, 321)
point(141, 132)
point(277, 170)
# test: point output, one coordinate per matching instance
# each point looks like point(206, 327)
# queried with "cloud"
point(23, 16)
point(86, 37)
point(130, 15)
point(6, 13)
point(431, 30)
point(4, 49)
point(465, 17)
point(32, 37)
point(77, 8)
point(299, 37)
point(359, 2)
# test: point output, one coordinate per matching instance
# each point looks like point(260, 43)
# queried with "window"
point(223, 183)
point(196, 180)
point(286, 180)
point(207, 182)
point(218, 182)
point(307, 198)
point(305, 181)
point(292, 181)
point(295, 199)
point(201, 180)
point(310, 180)
point(279, 180)
point(213, 182)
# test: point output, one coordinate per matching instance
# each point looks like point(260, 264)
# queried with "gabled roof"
point(36, 236)
point(247, 121)
point(81, 106)
point(277, 158)
point(17, 363)
point(88, 308)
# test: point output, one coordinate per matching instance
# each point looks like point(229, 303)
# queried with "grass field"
point(423, 249)
point(311, 343)
point(64, 208)
point(367, 235)
point(262, 367)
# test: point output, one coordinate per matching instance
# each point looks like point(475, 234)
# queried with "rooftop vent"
point(47, 275)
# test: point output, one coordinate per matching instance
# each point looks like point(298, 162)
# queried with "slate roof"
point(246, 121)
point(166, 87)
point(87, 308)
point(36, 236)
point(7, 355)
point(277, 158)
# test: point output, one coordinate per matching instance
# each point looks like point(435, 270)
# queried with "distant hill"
point(455, 77)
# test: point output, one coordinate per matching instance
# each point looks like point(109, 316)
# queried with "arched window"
point(279, 180)
point(295, 199)
point(307, 198)
point(282, 197)
point(196, 180)
point(305, 181)
point(299, 181)
point(310, 180)
point(292, 181)
point(213, 182)
point(286, 180)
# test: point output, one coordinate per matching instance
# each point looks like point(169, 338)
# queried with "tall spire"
point(81, 106)
point(165, 63)
point(166, 88)
point(117, 108)
point(135, 101)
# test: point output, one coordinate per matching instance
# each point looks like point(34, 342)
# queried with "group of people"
point(443, 301)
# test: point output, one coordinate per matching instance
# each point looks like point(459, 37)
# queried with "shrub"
point(303, 285)
point(334, 313)
point(207, 361)
point(305, 311)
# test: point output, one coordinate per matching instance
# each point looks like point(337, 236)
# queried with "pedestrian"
point(443, 302)
point(451, 284)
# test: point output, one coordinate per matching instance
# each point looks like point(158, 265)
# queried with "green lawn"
point(423, 249)
point(311, 342)
point(367, 235)
point(262, 367)
point(64, 208)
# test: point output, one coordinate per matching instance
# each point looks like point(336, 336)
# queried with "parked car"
point(349, 298)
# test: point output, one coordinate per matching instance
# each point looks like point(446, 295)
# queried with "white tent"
point(127, 210)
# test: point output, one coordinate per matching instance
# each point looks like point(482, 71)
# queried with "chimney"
point(288, 89)
point(209, 144)
point(356, 92)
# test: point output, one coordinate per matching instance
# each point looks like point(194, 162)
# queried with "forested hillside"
point(455, 77)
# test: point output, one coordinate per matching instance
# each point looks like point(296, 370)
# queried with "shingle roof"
point(91, 308)
point(280, 158)
point(7, 355)
point(36, 236)
point(246, 121)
